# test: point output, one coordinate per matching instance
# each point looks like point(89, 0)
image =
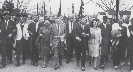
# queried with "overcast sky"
point(90, 8)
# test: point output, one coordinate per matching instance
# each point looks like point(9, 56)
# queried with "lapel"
point(8, 26)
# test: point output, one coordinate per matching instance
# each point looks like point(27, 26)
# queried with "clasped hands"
point(85, 35)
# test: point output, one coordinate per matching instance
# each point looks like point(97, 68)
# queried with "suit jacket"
point(55, 32)
point(67, 28)
point(123, 38)
point(10, 30)
point(32, 27)
point(130, 43)
point(78, 33)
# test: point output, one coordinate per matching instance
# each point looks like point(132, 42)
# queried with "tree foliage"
point(111, 4)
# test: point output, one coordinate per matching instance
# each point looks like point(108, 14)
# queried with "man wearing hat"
point(130, 47)
point(58, 42)
point(106, 35)
point(123, 42)
point(7, 30)
point(21, 39)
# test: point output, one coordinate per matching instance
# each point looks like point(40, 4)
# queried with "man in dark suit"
point(34, 28)
point(70, 39)
point(123, 41)
point(86, 35)
point(7, 30)
point(81, 32)
point(130, 48)
point(106, 34)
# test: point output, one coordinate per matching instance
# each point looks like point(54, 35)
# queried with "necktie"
point(22, 26)
point(128, 33)
point(71, 26)
point(59, 29)
point(6, 24)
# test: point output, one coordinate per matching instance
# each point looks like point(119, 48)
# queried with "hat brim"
point(6, 14)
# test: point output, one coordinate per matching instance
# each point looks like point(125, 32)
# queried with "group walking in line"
point(63, 37)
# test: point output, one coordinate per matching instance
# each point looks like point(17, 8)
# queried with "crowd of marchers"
point(63, 37)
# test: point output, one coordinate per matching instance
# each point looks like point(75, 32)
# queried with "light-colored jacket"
point(25, 33)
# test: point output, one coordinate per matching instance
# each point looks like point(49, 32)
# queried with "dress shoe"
point(115, 67)
point(35, 64)
point(17, 64)
point(23, 62)
point(83, 68)
point(44, 65)
point(56, 67)
point(102, 66)
point(95, 68)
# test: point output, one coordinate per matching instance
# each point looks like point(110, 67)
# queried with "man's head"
point(47, 23)
point(6, 15)
point(120, 21)
point(105, 19)
point(35, 19)
point(58, 21)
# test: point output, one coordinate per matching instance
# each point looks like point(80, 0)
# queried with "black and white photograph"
point(66, 35)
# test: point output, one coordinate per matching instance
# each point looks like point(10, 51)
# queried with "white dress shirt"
point(58, 28)
point(25, 31)
point(104, 25)
point(37, 26)
point(70, 27)
point(19, 32)
point(6, 23)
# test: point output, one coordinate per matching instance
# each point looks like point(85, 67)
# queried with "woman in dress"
point(45, 42)
point(94, 42)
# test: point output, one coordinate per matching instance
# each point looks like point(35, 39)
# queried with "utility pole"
point(17, 4)
point(37, 10)
point(73, 9)
point(117, 9)
point(44, 11)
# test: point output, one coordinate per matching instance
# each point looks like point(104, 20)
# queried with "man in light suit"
point(21, 40)
point(58, 31)
point(7, 30)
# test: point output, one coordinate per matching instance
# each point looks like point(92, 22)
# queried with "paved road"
point(71, 67)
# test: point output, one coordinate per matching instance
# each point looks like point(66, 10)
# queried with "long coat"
point(130, 45)
point(106, 35)
point(45, 41)
point(11, 29)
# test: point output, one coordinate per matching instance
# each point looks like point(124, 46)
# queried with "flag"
point(81, 9)
point(72, 8)
point(59, 13)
